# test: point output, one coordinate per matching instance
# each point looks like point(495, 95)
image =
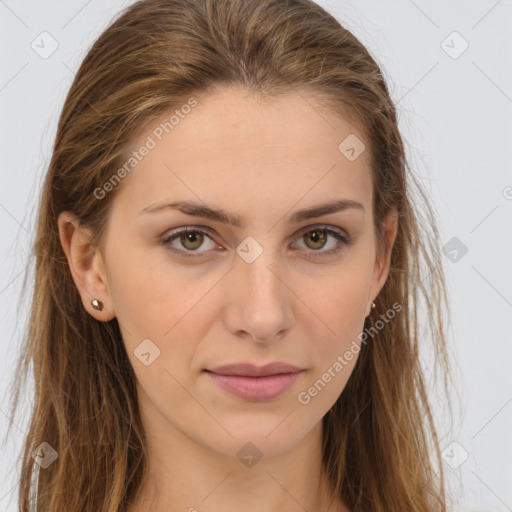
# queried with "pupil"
point(317, 236)
point(191, 238)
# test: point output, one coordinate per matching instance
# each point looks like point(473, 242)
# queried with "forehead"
point(235, 145)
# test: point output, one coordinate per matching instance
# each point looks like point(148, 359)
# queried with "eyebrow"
point(220, 215)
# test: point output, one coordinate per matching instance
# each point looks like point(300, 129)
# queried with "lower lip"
point(255, 388)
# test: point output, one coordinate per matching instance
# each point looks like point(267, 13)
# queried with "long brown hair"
point(380, 447)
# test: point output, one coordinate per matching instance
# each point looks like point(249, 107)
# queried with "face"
point(256, 280)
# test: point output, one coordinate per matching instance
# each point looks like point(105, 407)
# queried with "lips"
point(249, 370)
point(255, 383)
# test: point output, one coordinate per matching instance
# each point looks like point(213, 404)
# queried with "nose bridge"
point(261, 301)
point(258, 268)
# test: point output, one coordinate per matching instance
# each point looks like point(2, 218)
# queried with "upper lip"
point(250, 370)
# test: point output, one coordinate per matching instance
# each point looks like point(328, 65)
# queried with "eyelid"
point(343, 238)
point(175, 233)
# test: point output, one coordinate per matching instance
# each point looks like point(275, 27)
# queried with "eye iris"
point(191, 236)
point(317, 236)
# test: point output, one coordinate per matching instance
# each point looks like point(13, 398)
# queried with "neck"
point(183, 475)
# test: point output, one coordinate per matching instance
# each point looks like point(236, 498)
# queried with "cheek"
point(169, 307)
point(336, 320)
point(150, 295)
point(337, 303)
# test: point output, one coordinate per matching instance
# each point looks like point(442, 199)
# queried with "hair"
point(380, 447)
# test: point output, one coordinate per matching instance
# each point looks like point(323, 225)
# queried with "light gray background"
point(455, 115)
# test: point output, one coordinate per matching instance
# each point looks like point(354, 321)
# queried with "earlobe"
point(86, 266)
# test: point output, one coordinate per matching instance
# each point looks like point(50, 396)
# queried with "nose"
point(260, 303)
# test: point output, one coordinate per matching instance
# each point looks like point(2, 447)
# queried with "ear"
point(381, 269)
point(86, 265)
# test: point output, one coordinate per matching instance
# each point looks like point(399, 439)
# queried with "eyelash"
point(344, 241)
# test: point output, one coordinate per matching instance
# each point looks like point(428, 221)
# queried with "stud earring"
point(372, 307)
point(97, 304)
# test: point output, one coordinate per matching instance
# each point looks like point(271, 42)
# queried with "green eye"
point(195, 238)
point(191, 239)
point(319, 236)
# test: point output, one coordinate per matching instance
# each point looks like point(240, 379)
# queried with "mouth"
point(255, 383)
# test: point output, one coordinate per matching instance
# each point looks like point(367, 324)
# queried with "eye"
point(316, 239)
point(191, 239)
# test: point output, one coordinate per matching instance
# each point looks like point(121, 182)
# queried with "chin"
point(265, 434)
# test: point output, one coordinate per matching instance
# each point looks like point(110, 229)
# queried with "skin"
point(262, 161)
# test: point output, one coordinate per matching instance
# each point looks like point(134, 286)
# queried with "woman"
point(228, 275)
